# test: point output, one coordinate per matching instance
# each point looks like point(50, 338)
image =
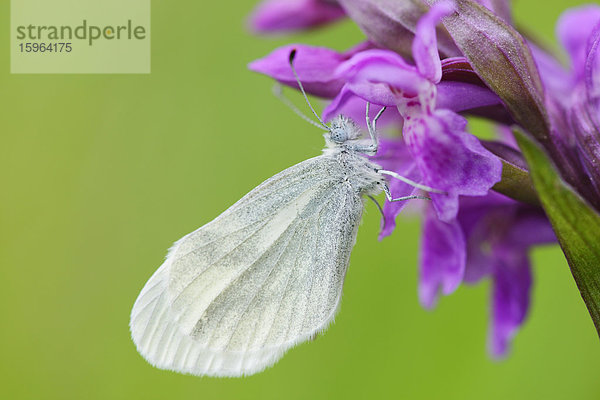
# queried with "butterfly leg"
point(390, 198)
point(377, 204)
point(410, 182)
point(371, 125)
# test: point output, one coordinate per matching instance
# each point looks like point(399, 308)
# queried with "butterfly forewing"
point(234, 295)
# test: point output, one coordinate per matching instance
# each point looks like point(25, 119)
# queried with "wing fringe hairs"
point(233, 296)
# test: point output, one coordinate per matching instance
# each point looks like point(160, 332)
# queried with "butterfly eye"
point(338, 135)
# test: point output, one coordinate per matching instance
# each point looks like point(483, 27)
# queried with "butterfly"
point(234, 295)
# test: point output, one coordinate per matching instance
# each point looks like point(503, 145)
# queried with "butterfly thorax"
point(356, 170)
point(343, 142)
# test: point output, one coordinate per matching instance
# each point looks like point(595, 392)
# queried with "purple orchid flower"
point(574, 95)
point(412, 65)
point(491, 237)
point(448, 158)
point(394, 155)
point(291, 15)
point(499, 234)
point(384, 78)
point(436, 149)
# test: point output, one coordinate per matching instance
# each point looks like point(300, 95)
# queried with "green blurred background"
point(101, 173)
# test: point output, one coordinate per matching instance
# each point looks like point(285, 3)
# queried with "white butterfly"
point(233, 296)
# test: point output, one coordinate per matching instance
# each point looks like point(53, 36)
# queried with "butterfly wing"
point(266, 274)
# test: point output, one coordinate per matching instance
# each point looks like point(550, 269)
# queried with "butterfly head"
point(342, 129)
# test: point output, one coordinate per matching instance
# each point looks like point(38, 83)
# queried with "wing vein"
point(277, 313)
point(197, 249)
point(185, 288)
point(145, 306)
point(305, 226)
point(214, 263)
point(262, 284)
point(312, 283)
point(238, 205)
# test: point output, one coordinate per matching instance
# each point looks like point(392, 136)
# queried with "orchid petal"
point(459, 96)
point(592, 66)
point(573, 28)
point(353, 107)
point(450, 159)
point(379, 94)
point(382, 66)
point(291, 15)
point(315, 66)
point(393, 155)
point(424, 47)
point(556, 79)
point(510, 298)
point(443, 258)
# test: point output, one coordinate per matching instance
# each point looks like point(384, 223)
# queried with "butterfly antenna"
point(278, 92)
point(291, 60)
